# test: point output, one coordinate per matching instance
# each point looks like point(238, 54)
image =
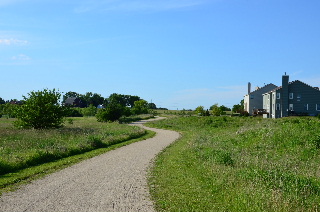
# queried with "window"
point(273, 96)
point(318, 107)
point(291, 107)
point(306, 107)
point(290, 95)
point(251, 96)
point(278, 95)
point(298, 97)
point(278, 106)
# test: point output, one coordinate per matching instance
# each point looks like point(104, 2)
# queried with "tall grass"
point(24, 148)
point(239, 164)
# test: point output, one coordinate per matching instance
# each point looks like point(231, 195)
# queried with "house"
point(292, 98)
point(73, 102)
point(254, 100)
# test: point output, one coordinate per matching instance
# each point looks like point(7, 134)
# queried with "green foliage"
point(112, 112)
point(74, 112)
point(2, 101)
point(41, 110)
point(200, 111)
point(140, 107)
point(89, 111)
point(216, 110)
point(124, 100)
point(8, 109)
point(239, 164)
point(152, 106)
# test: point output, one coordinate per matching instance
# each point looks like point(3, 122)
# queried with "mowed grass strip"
point(239, 164)
point(23, 148)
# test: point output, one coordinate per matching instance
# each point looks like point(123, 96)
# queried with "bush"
point(40, 110)
point(73, 112)
point(140, 107)
point(112, 112)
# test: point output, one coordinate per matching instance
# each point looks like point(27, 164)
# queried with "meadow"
point(238, 164)
point(23, 148)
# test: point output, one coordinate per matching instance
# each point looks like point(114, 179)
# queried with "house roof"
point(70, 100)
point(291, 83)
point(270, 84)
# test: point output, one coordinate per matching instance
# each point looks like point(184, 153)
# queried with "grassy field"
point(23, 148)
point(239, 164)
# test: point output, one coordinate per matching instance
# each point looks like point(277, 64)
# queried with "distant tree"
point(117, 99)
point(224, 108)
point(41, 110)
point(2, 101)
point(112, 112)
point(152, 106)
point(124, 100)
point(200, 111)
point(216, 110)
point(93, 99)
point(140, 107)
point(239, 108)
point(69, 94)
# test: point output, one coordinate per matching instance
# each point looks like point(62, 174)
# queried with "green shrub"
point(40, 110)
point(73, 112)
point(112, 112)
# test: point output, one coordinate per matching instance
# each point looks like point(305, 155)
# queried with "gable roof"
point(292, 83)
point(270, 84)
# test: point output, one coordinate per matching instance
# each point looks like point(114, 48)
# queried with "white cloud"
point(12, 41)
point(21, 57)
point(137, 5)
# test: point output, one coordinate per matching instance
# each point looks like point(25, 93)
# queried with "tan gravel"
point(114, 181)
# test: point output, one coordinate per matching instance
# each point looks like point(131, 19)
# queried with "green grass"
point(239, 164)
point(12, 181)
point(23, 148)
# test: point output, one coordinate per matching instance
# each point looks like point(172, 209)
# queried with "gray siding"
point(303, 95)
point(254, 100)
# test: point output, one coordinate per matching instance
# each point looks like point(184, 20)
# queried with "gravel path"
point(114, 181)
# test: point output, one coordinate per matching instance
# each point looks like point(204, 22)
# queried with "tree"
point(124, 100)
point(152, 106)
point(224, 108)
point(140, 107)
point(200, 111)
point(41, 110)
point(2, 101)
point(112, 112)
point(239, 108)
point(216, 110)
point(70, 94)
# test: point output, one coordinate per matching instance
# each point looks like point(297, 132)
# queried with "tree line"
point(43, 109)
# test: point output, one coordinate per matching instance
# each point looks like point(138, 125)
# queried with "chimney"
point(249, 87)
point(285, 95)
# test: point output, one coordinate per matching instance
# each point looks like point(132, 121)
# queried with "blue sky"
point(175, 53)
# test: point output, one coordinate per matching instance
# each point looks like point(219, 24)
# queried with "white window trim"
point(290, 95)
point(290, 106)
point(278, 95)
point(318, 107)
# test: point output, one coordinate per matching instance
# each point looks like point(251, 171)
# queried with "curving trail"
point(114, 181)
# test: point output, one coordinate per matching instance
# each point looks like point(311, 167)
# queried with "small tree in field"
point(112, 112)
point(140, 107)
point(200, 111)
point(40, 110)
